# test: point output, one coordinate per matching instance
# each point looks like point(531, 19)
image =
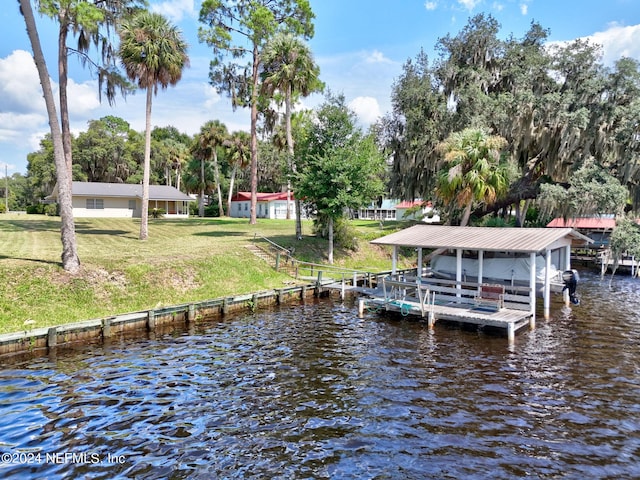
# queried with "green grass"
point(182, 261)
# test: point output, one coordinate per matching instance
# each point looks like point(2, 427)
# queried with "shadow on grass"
point(91, 231)
point(35, 260)
point(30, 224)
point(225, 233)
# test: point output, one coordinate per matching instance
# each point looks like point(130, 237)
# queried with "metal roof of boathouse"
point(498, 239)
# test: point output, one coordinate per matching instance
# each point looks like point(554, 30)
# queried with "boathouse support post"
point(394, 260)
point(547, 284)
point(419, 267)
point(459, 272)
point(480, 267)
point(567, 266)
point(532, 290)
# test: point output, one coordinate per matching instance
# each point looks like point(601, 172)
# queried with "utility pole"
point(6, 188)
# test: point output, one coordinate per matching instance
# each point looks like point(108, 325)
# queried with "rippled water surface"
point(312, 391)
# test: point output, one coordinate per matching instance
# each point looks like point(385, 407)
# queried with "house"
point(424, 211)
point(397, 210)
point(113, 200)
point(269, 205)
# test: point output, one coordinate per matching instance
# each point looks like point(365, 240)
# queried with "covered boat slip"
point(459, 300)
point(466, 302)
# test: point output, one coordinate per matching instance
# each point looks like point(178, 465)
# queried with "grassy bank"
point(182, 261)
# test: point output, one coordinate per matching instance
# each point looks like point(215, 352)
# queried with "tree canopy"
point(237, 31)
point(558, 108)
point(343, 167)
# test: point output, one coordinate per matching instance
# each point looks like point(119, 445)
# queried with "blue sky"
point(360, 46)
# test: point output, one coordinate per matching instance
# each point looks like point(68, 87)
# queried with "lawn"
point(182, 261)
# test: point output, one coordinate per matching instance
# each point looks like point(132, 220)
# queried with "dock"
point(437, 299)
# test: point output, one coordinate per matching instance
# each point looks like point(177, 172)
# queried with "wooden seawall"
point(98, 330)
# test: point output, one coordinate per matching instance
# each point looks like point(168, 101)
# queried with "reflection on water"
point(312, 391)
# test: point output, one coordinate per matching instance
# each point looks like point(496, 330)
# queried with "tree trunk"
point(63, 78)
point(466, 214)
point(287, 121)
point(70, 259)
point(201, 197)
point(216, 174)
point(231, 182)
point(330, 241)
point(254, 136)
point(144, 220)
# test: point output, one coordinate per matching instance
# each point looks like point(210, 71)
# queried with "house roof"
point(521, 240)
point(262, 196)
point(411, 204)
point(587, 223)
point(127, 190)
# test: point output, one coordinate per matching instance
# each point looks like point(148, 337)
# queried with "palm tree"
point(70, 259)
point(212, 135)
point(153, 54)
point(198, 179)
point(239, 150)
point(472, 172)
point(290, 70)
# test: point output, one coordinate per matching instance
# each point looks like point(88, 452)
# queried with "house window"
point(95, 204)
point(132, 204)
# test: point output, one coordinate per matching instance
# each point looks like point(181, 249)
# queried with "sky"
point(359, 45)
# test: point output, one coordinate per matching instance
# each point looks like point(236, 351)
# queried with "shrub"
point(51, 210)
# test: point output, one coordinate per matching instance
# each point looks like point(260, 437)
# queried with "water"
point(312, 391)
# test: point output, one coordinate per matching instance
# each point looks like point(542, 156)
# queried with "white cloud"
point(376, 57)
point(20, 89)
point(431, 5)
point(618, 41)
point(83, 98)
point(524, 8)
point(469, 4)
point(175, 10)
point(211, 96)
point(367, 109)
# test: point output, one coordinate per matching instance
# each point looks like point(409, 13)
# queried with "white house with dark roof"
point(113, 200)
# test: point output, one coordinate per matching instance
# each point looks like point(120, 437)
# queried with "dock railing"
point(320, 273)
point(451, 292)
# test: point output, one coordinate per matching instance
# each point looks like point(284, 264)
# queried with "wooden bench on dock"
point(490, 297)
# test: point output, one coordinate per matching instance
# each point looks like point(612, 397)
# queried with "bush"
point(2, 208)
point(212, 210)
point(344, 234)
point(37, 209)
point(157, 212)
point(51, 210)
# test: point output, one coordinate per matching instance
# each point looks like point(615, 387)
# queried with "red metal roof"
point(591, 223)
point(410, 204)
point(262, 197)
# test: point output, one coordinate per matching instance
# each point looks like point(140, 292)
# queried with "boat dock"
point(498, 306)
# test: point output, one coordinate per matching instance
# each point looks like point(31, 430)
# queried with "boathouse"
point(478, 290)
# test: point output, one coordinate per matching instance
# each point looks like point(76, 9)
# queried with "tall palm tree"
point(212, 135)
point(472, 171)
point(239, 155)
point(289, 69)
point(70, 259)
point(153, 54)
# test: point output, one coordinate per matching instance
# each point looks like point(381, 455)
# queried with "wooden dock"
point(437, 299)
